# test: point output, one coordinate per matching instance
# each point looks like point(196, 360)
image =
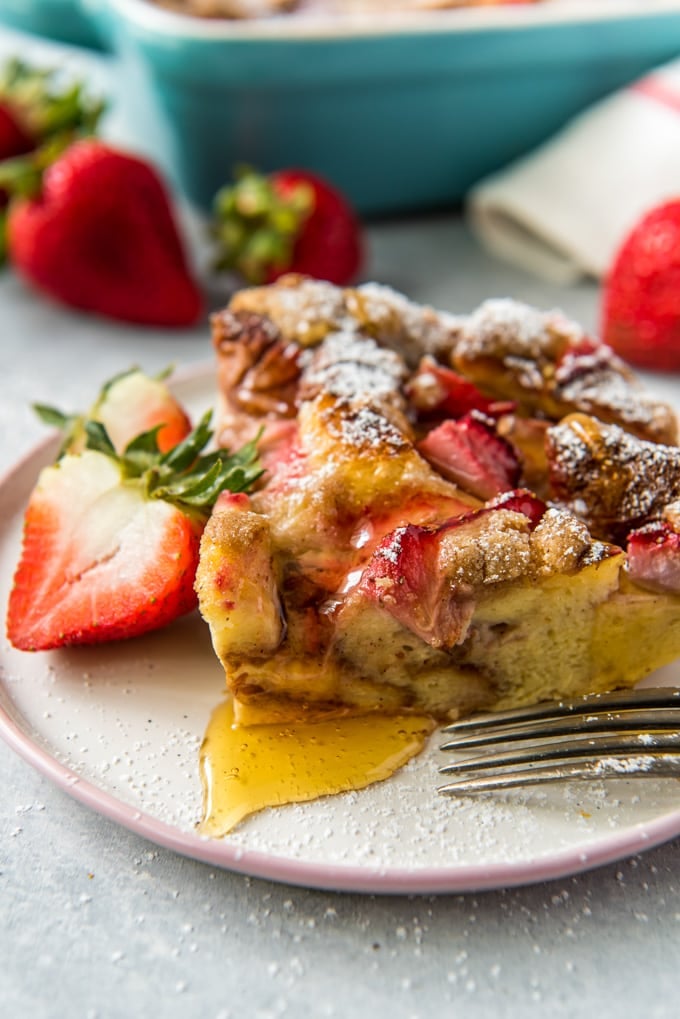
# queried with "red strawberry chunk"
point(471, 454)
point(406, 576)
point(403, 578)
point(587, 357)
point(654, 557)
point(437, 391)
point(521, 501)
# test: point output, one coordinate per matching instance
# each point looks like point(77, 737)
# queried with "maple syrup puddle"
point(247, 768)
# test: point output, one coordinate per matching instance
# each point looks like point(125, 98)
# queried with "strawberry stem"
point(53, 115)
point(45, 104)
point(255, 227)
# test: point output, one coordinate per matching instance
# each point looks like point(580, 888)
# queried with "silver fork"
point(630, 733)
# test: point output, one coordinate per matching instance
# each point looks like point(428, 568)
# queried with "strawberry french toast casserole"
point(456, 513)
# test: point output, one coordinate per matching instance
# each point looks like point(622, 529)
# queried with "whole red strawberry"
point(100, 235)
point(641, 300)
point(288, 221)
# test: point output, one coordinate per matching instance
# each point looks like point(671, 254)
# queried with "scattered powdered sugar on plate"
point(129, 718)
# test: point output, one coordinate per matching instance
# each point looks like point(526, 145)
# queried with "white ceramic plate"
point(119, 727)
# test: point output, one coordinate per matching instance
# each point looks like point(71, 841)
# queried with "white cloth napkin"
point(562, 211)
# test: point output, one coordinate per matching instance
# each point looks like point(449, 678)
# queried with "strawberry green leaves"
point(184, 476)
point(287, 221)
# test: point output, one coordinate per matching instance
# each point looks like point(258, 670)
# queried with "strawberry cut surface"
point(99, 562)
point(112, 536)
point(437, 391)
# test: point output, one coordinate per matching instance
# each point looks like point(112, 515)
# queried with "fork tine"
point(554, 728)
point(634, 721)
point(626, 733)
point(604, 745)
point(652, 697)
point(638, 765)
point(586, 715)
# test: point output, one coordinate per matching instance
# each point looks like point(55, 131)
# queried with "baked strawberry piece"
point(436, 391)
point(654, 556)
point(472, 454)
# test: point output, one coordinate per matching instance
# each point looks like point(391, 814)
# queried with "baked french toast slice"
point(394, 557)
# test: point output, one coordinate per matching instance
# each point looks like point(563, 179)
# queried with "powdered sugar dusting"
point(309, 310)
point(554, 363)
point(612, 393)
point(503, 327)
point(364, 427)
point(412, 329)
point(608, 473)
point(391, 550)
point(350, 366)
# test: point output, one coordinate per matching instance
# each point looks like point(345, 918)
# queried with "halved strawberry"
point(127, 405)
point(471, 454)
point(110, 544)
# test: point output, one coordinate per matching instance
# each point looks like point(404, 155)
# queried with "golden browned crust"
point(552, 368)
point(611, 479)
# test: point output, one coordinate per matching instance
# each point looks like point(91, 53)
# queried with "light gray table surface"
point(97, 922)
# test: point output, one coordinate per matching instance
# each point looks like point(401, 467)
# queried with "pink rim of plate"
point(332, 877)
point(391, 880)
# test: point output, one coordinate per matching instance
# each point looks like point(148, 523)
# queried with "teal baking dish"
point(62, 20)
point(401, 112)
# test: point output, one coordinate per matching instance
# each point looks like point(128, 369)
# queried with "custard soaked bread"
point(415, 543)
